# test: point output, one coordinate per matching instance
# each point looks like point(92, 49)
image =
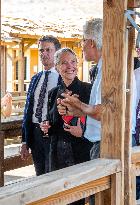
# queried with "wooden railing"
point(135, 172)
point(18, 104)
point(67, 185)
point(72, 189)
point(10, 129)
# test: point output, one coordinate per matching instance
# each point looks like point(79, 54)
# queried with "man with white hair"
point(92, 48)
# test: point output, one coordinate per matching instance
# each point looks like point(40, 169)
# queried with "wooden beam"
point(84, 176)
point(133, 185)
point(114, 83)
point(21, 68)
point(11, 43)
point(76, 193)
point(13, 67)
point(29, 44)
point(15, 162)
point(133, 3)
point(114, 79)
point(1, 159)
point(128, 119)
point(116, 187)
point(12, 124)
point(3, 69)
point(69, 39)
point(29, 36)
point(22, 36)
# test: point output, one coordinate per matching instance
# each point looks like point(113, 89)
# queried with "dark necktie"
point(137, 135)
point(93, 73)
point(41, 98)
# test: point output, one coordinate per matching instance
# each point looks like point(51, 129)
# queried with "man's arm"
point(71, 105)
point(94, 111)
point(71, 108)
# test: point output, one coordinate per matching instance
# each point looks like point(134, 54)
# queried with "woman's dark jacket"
point(66, 149)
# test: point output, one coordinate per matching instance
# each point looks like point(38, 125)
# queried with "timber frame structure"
point(24, 46)
point(112, 177)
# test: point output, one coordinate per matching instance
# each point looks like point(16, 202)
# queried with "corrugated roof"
point(61, 18)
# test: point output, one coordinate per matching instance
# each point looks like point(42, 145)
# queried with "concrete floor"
point(11, 176)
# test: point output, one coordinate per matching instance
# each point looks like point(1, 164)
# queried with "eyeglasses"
point(85, 40)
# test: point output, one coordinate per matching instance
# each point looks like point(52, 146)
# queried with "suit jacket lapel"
point(36, 80)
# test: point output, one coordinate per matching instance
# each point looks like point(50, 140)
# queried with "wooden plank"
point(55, 182)
point(34, 41)
point(19, 98)
point(99, 199)
point(15, 162)
point(116, 188)
point(114, 194)
point(21, 68)
point(80, 61)
point(76, 193)
point(11, 44)
point(114, 80)
point(69, 39)
point(133, 186)
point(128, 118)
point(13, 133)
point(11, 124)
point(27, 37)
point(3, 69)
point(14, 59)
point(1, 159)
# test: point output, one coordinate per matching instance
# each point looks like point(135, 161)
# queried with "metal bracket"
point(128, 14)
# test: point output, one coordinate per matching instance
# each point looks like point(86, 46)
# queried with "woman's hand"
point(74, 130)
point(45, 126)
point(61, 108)
point(24, 152)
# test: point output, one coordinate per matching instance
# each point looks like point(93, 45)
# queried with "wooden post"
point(114, 83)
point(3, 69)
point(133, 185)
point(13, 68)
point(1, 158)
point(1, 133)
point(80, 61)
point(129, 199)
point(21, 68)
point(116, 189)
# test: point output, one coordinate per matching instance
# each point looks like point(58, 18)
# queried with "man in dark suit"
point(36, 106)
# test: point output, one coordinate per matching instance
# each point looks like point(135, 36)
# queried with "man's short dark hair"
point(51, 39)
